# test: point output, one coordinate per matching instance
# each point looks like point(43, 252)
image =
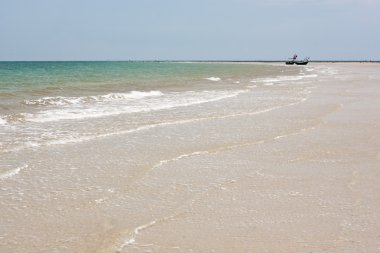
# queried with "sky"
point(189, 30)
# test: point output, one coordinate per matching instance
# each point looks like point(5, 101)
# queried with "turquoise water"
point(31, 77)
point(92, 151)
point(44, 103)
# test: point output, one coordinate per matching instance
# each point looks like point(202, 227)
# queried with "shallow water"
point(117, 156)
point(46, 103)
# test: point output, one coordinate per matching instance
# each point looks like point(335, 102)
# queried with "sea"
point(76, 138)
point(55, 103)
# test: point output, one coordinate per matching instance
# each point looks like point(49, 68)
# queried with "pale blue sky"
point(189, 30)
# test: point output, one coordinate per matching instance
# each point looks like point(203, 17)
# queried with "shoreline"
point(290, 165)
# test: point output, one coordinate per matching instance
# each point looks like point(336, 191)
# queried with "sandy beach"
point(299, 174)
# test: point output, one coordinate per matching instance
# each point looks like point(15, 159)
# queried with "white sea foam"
point(214, 79)
point(310, 76)
point(116, 104)
point(2, 121)
point(67, 138)
point(13, 172)
point(136, 231)
point(59, 100)
point(163, 162)
point(283, 79)
point(78, 139)
point(309, 69)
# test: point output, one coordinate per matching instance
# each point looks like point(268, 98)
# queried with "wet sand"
point(301, 177)
point(309, 184)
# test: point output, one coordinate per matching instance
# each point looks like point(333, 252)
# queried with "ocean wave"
point(119, 103)
point(59, 100)
point(214, 79)
point(3, 121)
point(11, 173)
point(283, 79)
point(71, 138)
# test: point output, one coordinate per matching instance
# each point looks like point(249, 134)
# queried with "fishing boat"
point(303, 62)
point(292, 60)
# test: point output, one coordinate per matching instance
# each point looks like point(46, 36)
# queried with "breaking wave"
point(214, 79)
point(283, 79)
point(2, 121)
point(92, 99)
point(12, 173)
point(119, 103)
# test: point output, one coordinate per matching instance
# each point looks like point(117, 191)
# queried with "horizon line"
point(269, 61)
